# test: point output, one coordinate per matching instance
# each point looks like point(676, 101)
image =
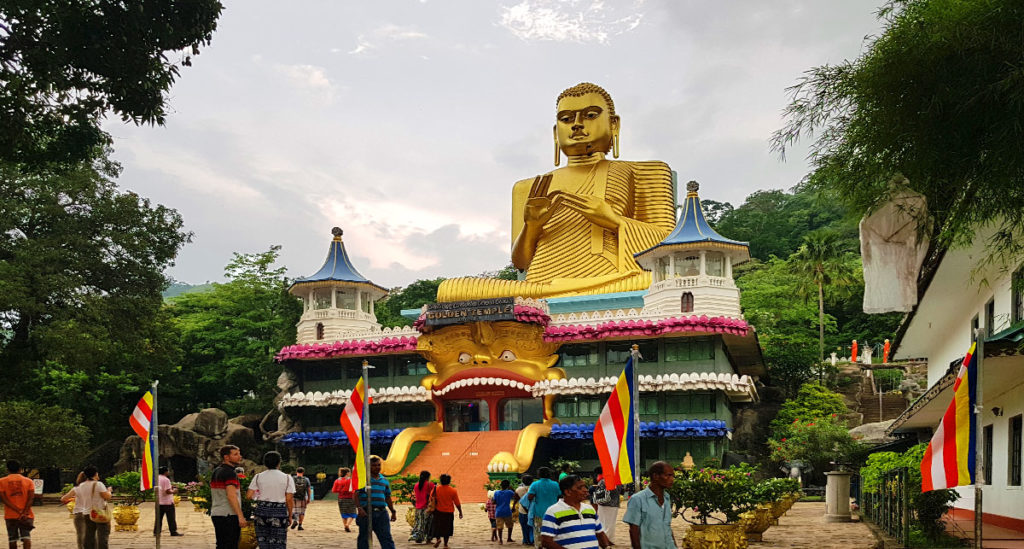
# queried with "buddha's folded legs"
point(467, 288)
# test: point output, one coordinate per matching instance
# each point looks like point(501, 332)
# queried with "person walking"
point(165, 491)
point(226, 499)
point(607, 503)
point(346, 505)
point(524, 509)
point(303, 493)
point(446, 501)
point(379, 500)
point(489, 508)
point(273, 492)
point(421, 493)
point(543, 493)
point(17, 492)
point(503, 501)
point(649, 511)
point(87, 493)
point(571, 522)
point(566, 471)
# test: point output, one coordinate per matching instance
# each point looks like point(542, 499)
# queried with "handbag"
point(100, 512)
point(432, 501)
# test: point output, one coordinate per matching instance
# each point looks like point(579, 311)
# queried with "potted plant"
point(129, 494)
point(713, 502)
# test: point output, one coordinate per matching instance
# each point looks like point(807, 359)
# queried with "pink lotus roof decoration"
point(585, 332)
point(350, 347)
point(523, 313)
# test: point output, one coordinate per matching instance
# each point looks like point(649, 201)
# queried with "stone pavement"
point(802, 527)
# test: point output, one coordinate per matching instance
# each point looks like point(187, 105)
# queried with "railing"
point(337, 313)
point(691, 282)
point(888, 507)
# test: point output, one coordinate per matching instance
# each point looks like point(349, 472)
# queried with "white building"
point(956, 299)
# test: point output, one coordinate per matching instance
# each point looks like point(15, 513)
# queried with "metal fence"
point(888, 507)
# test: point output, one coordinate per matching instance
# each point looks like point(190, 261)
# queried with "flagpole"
point(635, 397)
point(979, 470)
point(366, 454)
point(153, 441)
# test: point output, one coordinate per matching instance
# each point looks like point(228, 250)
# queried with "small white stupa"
point(692, 268)
point(337, 299)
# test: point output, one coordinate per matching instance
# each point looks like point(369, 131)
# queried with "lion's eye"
point(465, 358)
point(507, 356)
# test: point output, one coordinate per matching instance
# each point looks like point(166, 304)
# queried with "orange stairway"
point(464, 456)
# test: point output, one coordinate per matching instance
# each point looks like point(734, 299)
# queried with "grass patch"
point(813, 499)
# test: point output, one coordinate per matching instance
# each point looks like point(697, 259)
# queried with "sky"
point(406, 122)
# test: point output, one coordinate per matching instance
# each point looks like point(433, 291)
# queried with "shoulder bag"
point(432, 501)
point(100, 512)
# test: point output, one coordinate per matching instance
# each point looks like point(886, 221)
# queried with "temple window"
point(414, 367)
point(686, 304)
point(346, 298)
point(715, 264)
point(688, 266)
point(365, 299)
point(663, 268)
point(319, 330)
point(617, 353)
point(322, 299)
point(649, 405)
point(693, 348)
point(580, 355)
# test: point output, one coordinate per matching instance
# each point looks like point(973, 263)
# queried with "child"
point(491, 507)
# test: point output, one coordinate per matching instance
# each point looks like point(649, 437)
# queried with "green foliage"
point(706, 494)
point(813, 401)
point(413, 296)
point(934, 105)
point(823, 265)
point(128, 488)
point(66, 64)
point(557, 464)
point(229, 336)
point(819, 441)
point(773, 489)
point(928, 507)
point(41, 436)
point(81, 268)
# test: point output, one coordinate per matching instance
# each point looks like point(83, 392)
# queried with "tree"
point(785, 323)
point(714, 210)
point(65, 64)
point(821, 261)
point(934, 103)
point(41, 436)
point(230, 334)
point(81, 270)
point(813, 401)
point(413, 296)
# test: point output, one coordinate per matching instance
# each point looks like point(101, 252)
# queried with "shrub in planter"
point(704, 493)
point(128, 488)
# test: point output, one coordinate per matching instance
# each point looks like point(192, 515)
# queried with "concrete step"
point(464, 456)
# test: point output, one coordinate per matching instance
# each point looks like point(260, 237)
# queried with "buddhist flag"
point(142, 423)
point(352, 424)
point(949, 459)
point(614, 432)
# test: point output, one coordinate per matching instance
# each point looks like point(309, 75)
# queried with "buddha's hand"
point(595, 209)
point(539, 210)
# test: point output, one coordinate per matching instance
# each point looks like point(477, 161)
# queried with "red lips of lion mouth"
point(484, 377)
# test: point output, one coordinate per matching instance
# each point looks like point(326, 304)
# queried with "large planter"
point(177, 499)
point(758, 520)
point(126, 518)
point(248, 538)
point(197, 504)
point(715, 536)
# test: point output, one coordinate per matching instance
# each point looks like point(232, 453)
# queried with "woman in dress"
point(446, 502)
point(272, 492)
point(346, 505)
point(421, 496)
point(89, 491)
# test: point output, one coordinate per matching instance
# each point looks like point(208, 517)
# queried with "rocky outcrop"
point(872, 433)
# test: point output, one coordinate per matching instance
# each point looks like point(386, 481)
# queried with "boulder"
point(251, 421)
point(872, 433)
point(211, 422)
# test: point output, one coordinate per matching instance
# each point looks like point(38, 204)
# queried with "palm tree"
point(823, 260)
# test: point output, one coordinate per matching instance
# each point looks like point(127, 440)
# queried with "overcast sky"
point(407, 122)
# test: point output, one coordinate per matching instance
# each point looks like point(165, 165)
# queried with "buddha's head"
point(585, 120)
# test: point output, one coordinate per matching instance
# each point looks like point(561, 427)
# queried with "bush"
point(812, 401)
point(708, 492)
point(818, 441)
point(128, 486)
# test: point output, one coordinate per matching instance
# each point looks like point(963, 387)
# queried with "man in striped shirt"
point(380, 503)
point(570, 522)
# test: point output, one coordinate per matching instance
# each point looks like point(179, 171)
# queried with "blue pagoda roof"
point(337, 267)
point(692, 229)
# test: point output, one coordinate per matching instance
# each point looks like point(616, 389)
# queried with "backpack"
point(301, 488)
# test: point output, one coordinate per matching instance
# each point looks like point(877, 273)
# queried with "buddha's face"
point(584, 125)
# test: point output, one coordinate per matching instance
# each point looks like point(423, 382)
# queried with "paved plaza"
point(802, 527)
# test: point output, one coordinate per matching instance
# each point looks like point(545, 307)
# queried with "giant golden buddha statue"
point(575, 229)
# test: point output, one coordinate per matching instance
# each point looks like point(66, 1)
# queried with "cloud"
point(580, 21)
point(309, 78)
point(384, 34)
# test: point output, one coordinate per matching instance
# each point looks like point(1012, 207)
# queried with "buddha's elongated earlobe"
point(558, 153)
point(615, 145)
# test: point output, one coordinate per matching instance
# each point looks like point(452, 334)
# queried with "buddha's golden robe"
point(574, 256)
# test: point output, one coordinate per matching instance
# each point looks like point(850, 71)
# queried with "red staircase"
point(464, 456)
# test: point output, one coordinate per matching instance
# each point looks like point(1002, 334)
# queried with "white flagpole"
point(366, 454)
point(635, 353)
point(155, 449)
point(979, 470)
